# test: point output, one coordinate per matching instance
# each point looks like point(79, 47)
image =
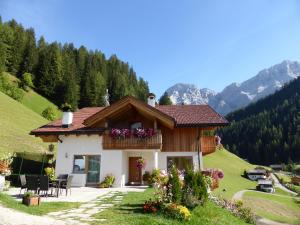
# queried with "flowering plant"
point(151, 206)
point(5, 161)
point(120, 133)
point(141, 163)
point(143, 132)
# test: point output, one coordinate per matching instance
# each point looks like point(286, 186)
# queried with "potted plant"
point(108, 181)
point(31, 199)
point(141, 163)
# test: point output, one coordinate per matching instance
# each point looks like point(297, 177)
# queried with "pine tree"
point(165, 99)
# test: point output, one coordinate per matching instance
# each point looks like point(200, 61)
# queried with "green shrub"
point(30, 194)
point(157, 177)
point(195, 188)
point(108, 181)
point(49, 113)
point(27, 81)
point(50, 172)
point(10, 88)
point(66, 107)
point(296, 169)
point(174, 185)
point(146, 176)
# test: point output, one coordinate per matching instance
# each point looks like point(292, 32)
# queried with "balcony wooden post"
point(155, 156)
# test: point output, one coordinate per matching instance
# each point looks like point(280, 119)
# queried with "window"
point(79, 164)
point(181, 162)
point(136, 125)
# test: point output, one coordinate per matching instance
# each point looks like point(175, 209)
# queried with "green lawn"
point(130, 212)
point(42, 209)
point(284, 177)
point(233, 167)
point(278, 208)
point(16, 121)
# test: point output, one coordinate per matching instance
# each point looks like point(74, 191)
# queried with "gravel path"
point(279, 185)
point(239, 195)
point(12, 217)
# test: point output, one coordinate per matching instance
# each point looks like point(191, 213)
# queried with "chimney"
point(151, 99)
point(67, 116)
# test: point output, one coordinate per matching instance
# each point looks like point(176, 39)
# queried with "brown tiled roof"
point(183, 115)
point(77, 125)
point(193, 115)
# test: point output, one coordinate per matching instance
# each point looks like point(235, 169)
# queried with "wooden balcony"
point(154, 142)
point(208, 144)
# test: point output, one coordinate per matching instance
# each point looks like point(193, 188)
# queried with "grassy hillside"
point(280, 208)
point(16, 121)
point(233, 167)
point(33, 100)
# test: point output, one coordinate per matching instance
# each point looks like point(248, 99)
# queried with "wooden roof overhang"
point(126, 104)
point(53, 136)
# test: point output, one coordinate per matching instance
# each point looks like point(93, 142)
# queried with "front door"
point(93, 171)
point(135, 173)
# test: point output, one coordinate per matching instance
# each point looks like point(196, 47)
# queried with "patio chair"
point(32, 183)
point(23, 183)
point(67, 185)
point(62, 176)
point(44, 185)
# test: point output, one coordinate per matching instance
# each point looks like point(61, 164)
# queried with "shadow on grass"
point(133, 208)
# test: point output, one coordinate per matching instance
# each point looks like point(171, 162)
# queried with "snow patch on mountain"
point(237, 95)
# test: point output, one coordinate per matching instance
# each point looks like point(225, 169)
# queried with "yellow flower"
point(184, 212)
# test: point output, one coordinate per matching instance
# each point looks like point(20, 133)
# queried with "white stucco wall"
point(111, 160)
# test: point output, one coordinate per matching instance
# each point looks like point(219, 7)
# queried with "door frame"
point(87, 169)
point(130, 182)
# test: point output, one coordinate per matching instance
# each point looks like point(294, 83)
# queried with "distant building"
point(257, 174)
point(265, 185)
point(276, 167)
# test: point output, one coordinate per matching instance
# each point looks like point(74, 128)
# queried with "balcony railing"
point(154, 142)
point(208, 144)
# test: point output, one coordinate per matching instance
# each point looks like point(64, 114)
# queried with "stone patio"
point(80, 194)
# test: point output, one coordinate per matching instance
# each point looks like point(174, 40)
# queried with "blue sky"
point(207, 43)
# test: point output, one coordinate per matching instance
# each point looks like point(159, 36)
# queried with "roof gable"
point(123, 104)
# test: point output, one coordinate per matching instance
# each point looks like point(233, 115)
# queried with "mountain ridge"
point(237, 95)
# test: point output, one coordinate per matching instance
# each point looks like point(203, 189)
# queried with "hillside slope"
point(267, 131)
point(31, 99)
point(233, 167)
point(16, 121)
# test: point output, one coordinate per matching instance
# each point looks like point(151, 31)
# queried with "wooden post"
point(43, 164)
point(155, 124)
point(199, 148)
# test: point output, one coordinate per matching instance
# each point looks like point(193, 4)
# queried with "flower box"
point(31, 201)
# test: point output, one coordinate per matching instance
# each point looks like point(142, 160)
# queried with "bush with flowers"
point(216, 175)
point(5, 161)
point(176, 211)
point(176, 192)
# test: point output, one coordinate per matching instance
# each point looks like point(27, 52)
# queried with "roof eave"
point(202, 124)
